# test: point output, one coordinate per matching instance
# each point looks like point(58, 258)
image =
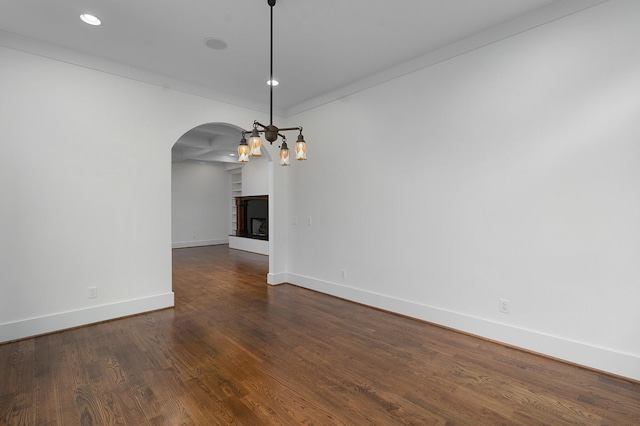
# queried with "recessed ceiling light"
point(215, 43)
point(90, 19)
point(272, 82)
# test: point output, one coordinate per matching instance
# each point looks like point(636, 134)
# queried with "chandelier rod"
point(271, 132)
point(271, 4)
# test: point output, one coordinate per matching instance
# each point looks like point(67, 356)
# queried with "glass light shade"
point(284, 155)
point(255, 142)
point(301, 148)
point(243, 151)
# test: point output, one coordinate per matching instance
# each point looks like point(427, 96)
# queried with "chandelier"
point(271, 132)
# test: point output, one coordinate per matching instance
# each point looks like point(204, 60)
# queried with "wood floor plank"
point(237, 351)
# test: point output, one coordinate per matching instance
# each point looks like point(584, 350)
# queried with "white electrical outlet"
point(93, 292)
point(343, 274)
point(503, 306)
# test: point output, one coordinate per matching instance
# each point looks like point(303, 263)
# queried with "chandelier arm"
point(257, 123)
point(285, 129)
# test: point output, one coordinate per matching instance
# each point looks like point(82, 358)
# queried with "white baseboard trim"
point(275, 279)
point(199, 243)
point(249, 244)
point(588, 355)
point(64, 320)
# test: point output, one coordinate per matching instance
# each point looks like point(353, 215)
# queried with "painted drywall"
point(85, 178)
point(200, 204)
point(255, 177)
point(509, 172)
point(259, 177)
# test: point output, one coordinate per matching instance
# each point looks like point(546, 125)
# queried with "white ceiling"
point(323, 49)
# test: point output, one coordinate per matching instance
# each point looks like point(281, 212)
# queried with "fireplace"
point(252, 217)
point(259, 227)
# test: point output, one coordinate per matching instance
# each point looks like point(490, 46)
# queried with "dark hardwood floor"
point(236, 351)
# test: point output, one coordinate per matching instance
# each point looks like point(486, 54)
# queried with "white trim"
point(200, 243)
point(96, 63)
point(249, 244)
point(64, 320)
point(275, 279)
point(599, 358)
point(500, 32)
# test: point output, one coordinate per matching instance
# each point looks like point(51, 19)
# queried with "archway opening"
point(206, 179)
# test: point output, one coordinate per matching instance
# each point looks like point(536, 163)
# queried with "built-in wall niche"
point(252, 217)
point(236, 191)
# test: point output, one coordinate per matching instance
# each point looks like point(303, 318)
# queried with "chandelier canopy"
point(271, 132)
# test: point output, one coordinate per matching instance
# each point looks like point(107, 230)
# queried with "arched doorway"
point(205, 178)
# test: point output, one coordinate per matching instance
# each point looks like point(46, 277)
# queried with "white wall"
point(255, 177)
point(200, 204)
point(521, 160)
point(85, 178)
